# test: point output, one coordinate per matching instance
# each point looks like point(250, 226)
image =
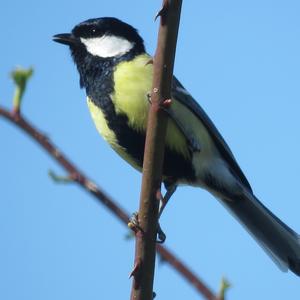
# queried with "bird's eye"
point(94, 30)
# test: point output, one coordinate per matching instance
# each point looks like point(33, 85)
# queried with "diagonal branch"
point(82, 180)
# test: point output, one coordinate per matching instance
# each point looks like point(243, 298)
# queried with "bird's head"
point(98, 44)
point(102, 38)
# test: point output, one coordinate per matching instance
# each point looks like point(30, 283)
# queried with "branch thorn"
point(136, 268)
point(163, 11)
point(149, 62)
point(167, 103)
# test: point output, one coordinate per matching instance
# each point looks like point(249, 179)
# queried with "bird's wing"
point(181, 95)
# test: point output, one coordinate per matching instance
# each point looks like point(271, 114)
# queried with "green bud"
point(224, 286)
point(20, 77)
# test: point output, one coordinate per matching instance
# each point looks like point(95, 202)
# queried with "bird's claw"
point(161, 236)
point(133, 223)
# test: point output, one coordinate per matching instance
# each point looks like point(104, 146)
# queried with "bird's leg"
point(163, 200)
point(171, 188)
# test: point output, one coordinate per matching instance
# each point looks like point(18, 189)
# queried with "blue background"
point(240, 60)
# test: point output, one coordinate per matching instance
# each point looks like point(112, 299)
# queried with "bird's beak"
point(66, 39)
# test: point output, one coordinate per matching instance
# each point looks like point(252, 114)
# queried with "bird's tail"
point(275, 237)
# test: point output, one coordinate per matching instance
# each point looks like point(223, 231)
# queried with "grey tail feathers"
point(275, 237)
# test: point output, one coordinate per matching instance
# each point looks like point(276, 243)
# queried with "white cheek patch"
point(107, 46)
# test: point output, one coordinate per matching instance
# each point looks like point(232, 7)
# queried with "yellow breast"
point(132, 85)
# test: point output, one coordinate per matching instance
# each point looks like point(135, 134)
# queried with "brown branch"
point(163, 63)
point(82, 180)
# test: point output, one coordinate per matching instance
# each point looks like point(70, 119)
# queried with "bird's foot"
point(161, 236)
point(133, 224)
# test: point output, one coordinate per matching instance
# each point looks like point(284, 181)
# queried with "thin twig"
point(163, 62)
point(82, 180)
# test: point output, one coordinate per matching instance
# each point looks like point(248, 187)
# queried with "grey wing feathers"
point(180, 94)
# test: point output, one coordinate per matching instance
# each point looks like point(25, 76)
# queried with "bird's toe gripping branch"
point(133, 224)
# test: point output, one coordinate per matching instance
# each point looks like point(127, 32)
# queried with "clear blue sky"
point(240, 60)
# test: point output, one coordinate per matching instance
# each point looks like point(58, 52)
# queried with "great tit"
point(116, 72)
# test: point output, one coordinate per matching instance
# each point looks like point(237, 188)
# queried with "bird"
point(116, 72)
